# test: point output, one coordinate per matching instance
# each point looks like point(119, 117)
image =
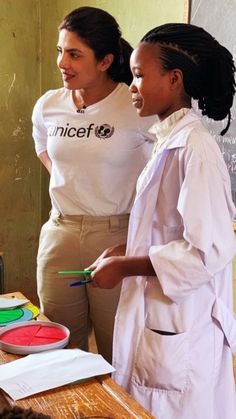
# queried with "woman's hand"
point(118, 250)
point(108, 271)
point(104, 267)
point(112, 266)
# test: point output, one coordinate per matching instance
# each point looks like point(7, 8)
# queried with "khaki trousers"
point(72, 243)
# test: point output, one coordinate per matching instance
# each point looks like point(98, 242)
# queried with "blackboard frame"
point(187, 11)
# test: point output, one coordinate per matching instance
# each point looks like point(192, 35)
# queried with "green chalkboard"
point(218, 18)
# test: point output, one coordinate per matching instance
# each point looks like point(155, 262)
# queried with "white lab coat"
point(182, 218)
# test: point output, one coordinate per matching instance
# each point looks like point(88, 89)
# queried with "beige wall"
point(28, 33)
point(19, 172)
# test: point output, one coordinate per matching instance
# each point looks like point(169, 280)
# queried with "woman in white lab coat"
point(175, 331)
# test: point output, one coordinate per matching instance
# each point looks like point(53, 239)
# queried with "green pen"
point(85, 272)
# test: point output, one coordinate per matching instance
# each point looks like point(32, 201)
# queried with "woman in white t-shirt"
point(89, 137)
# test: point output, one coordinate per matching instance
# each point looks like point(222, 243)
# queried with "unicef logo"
point(104, 131)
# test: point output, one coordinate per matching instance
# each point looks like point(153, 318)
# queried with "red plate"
point(33, 336)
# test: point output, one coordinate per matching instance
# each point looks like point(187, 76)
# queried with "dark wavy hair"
point(100, 31)
point(21, 413)
point(208, 67)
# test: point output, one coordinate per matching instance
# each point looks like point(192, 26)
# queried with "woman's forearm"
point(136, 265)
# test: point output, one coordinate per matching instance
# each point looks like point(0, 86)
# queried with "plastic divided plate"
point(33, 336)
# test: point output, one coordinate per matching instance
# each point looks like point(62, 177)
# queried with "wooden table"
point(98, 397)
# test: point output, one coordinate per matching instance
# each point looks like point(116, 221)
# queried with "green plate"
point(7, 316)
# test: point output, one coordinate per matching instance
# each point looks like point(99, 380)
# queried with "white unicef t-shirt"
point(97, 154)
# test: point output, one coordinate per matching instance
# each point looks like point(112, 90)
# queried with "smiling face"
point(77, 62)
point(155, 91)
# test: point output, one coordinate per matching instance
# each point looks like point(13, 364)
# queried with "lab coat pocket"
point(161, 361)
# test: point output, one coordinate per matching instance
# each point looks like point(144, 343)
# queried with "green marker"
point(81, 272)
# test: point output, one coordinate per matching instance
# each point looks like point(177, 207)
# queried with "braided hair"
point(208, 67)
point(101, 32)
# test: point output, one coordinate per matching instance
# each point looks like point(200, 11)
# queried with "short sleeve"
point(39, 128)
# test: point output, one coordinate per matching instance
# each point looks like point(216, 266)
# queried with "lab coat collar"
point(153, 171)
point(175, 140)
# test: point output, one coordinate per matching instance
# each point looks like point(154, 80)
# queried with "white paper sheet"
point(6, 303)
point(43, 371)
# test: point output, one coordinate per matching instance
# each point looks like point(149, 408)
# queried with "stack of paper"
point(43, 371)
